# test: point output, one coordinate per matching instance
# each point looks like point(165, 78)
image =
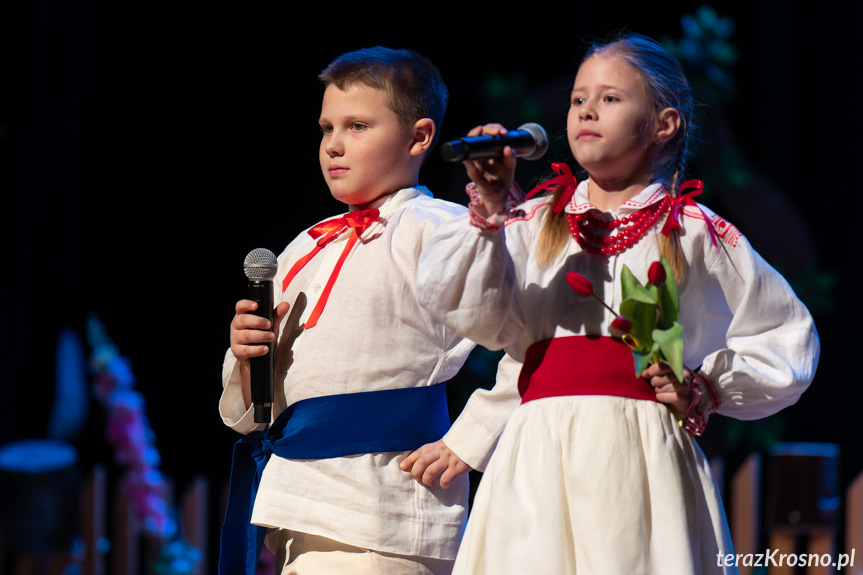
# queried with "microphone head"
point(260, 264)
point(540, 136)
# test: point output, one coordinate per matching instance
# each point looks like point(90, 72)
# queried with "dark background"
point(146, 148)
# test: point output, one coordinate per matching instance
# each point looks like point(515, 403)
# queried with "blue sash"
point(321, 428)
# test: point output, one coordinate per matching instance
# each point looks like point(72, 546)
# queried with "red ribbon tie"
point(325, 232)
point(679, 202)
point(564, 179)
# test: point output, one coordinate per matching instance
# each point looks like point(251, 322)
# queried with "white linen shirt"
point(743, 324)
point(372, 335)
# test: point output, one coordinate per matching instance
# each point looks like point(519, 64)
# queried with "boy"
point(348, 323)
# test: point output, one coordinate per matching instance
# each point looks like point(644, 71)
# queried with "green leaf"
point(670, 342)
point(630, 287)
point(643, 319)
point(641, 359)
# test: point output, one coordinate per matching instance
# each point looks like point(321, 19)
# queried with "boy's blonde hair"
point(413, 85)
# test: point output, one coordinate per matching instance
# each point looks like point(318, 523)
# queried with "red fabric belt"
point(580, 365)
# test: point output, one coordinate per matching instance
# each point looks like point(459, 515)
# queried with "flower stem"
point(596, 297)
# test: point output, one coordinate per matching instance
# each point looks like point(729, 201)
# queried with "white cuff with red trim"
point(705, 401)
point(495, 221)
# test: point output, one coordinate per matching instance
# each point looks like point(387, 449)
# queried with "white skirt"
point(595, 485)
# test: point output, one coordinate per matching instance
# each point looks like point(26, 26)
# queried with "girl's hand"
point(434, 460)
point(492, 176)
point(668, 389)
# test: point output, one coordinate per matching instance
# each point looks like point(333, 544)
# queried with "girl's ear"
point(424, 131)
point(667, 125)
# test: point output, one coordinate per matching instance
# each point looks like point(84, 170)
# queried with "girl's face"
point(610, 125)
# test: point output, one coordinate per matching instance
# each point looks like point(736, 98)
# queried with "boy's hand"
point(434, 460)
point(248, 329)
point(492, 176)
point(668, 389)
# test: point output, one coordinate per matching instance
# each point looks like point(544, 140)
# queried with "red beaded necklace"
point(594, 235)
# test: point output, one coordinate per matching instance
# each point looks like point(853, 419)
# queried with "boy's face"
point(365, 153)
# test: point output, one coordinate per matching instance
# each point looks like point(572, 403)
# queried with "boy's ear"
point(424, 131)
point(667, 125)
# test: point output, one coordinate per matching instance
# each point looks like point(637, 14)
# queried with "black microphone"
point(530, 142)
point(260, 267)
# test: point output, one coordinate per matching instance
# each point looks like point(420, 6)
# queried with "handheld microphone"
point(260, 267)
point(530, 142)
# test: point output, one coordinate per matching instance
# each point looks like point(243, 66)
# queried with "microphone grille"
point(540, 136)
point(260, 264)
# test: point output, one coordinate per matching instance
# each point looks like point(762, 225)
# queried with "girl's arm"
point(467, 280)
point(467, 276)
point(472, 438)
point(771, 344)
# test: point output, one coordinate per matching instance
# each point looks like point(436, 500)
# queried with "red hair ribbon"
point(672, 222)
point(564, 179)
point(325, 232)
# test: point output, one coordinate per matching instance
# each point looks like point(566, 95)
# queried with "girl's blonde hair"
point(666, 86)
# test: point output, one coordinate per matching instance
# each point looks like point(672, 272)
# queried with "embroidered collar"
point(580, 203)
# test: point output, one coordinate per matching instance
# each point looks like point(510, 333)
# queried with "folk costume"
point(355, 334)
point(592, 474)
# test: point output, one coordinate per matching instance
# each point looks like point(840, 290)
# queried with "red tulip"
point(656, 274)
point(621, 326)
point(579, 284)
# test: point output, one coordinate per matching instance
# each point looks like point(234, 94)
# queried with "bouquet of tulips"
point(649, 316)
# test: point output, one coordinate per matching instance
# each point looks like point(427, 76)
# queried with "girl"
point(595, 473)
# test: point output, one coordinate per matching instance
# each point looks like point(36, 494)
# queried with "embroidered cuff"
point(495, 221)
point(705, 401)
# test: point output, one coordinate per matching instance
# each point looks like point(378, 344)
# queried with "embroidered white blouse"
point(743, 324)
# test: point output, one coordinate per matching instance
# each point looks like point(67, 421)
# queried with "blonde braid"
point(554, 233)
point(669, 247)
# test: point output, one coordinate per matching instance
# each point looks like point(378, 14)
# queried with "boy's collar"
point(387, 205)
point(391, 202)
